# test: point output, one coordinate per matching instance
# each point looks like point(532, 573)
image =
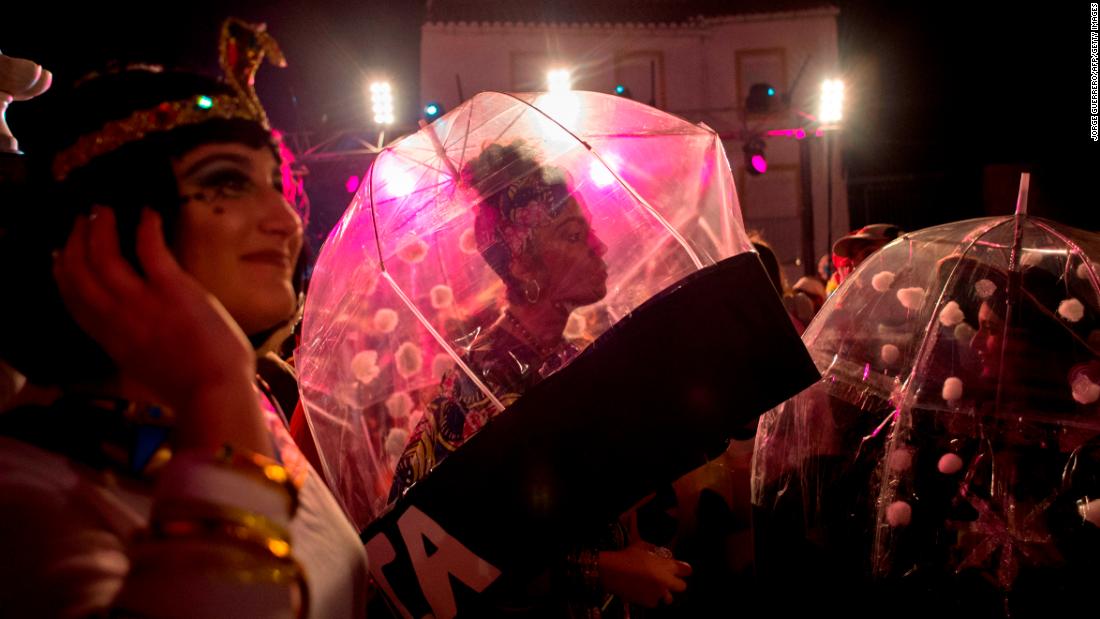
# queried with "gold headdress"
point(242, 49)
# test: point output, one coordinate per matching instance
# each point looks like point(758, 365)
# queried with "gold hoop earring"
point(527, 291)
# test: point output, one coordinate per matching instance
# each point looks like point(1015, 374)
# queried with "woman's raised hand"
point(163, 330)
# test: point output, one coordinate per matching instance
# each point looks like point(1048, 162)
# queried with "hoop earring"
point(527, 291)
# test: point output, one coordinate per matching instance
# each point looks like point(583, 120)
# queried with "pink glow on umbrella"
point(401, 184)
point(393, 179)
point(759, 164)
point(352, 184)
point(600, 174)
point(675, 211)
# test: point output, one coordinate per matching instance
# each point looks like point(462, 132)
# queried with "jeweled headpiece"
point(242, 49)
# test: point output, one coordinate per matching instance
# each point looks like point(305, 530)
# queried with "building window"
point(643, 72)
point(756, 66)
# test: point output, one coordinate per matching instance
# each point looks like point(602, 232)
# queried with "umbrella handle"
point(1021, 199)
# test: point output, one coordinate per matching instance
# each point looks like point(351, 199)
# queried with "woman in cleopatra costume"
point(160, 481)
point(535, 234)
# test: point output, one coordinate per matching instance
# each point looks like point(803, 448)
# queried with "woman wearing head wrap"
point(536, 235)
point(161, 481)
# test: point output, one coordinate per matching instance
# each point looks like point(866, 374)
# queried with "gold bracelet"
point(188, 518)
point(261, 467)
point(261, 562)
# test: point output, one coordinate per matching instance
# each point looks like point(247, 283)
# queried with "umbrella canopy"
point(953, 443)
point(423, 263)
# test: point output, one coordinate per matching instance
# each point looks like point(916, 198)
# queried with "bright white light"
point(401, 184)
point(832, 101)
point(393, 178)
point(599, 173)
point(563, 107)
point(559, 80)
point(381, 99)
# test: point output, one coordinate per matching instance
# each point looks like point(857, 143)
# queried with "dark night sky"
point(940, 92)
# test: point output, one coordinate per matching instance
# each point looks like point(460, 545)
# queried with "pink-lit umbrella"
point(400, 288)
point(536, 311)
point(950, 456)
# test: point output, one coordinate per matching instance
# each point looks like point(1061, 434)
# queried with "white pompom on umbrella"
point(1084, 268)
point(467, 243)
point(1084, 390)
point(395, 442)
point(1071, 309)
point(385, 320)
point(900, 459)
point(882, 281)
point(964, 333)
point(984, 288)
point(413, 252)
point(949, 464)
point(364, 366)
point(441, 364)
point(399, 405)
point(952, 389)
point(442, 296)
point(899, 514)
point(911, 298)
point(408, 359)
point(951, 314)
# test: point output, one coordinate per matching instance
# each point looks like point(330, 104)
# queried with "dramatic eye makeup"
point(225, 182)
point(218, 177)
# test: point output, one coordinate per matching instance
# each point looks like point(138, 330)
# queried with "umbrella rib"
point(1073, 246)
point(374, 216)
point(420, 190)
point(1012, 293)
point(447, 138)
point(466, 135)
point(442, 341)
point(469, 121)
point(325, 468)
point(421, 163)
point(510, 124)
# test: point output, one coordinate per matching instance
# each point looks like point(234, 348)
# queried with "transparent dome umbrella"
point(620, 220)
point(953, 442)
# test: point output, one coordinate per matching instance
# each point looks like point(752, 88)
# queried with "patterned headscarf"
point(528, 203)
point(517, 196)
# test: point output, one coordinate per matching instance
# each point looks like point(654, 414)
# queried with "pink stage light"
point(352, 184)
point(759, 164)
point(798, 134)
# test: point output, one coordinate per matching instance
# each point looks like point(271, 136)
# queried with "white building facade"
point(701, 70)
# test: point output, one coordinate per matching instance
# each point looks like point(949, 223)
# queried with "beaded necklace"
point(530, 340)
